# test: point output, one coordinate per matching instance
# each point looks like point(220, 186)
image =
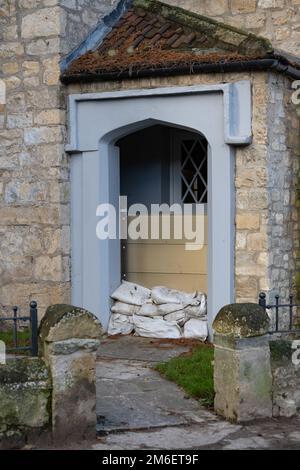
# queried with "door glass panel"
point(194, 171)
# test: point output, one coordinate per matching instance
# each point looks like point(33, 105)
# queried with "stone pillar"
point(69, 339)
point(242, 368)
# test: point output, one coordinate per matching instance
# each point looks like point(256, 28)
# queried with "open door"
point(163, 165)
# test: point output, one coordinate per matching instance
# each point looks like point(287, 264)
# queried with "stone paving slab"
point(138, 409)
point(218, 435)
point(143, 349)
point(133, 396)
point(170, 438)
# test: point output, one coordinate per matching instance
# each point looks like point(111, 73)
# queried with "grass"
point(24, 339)
point(193, 372)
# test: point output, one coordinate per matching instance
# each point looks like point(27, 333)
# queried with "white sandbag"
point(131, 293)
point(120, 325)
point(156, 328)
point(197, 311)
point(179, 317)
point(163, 295)
point(196, 329)
point(166, 309)
point(124, 309)
point(148, 310)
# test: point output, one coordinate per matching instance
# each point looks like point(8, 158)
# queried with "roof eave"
point(264, 64)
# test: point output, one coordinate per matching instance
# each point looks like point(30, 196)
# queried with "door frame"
point(222, 113)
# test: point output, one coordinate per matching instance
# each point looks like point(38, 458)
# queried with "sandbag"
point(148, 310)
point(124, 309)
point(179, 317)
point(166, 309)
point(197, 329)
point(132, 294)
point(197, 311)
point(120, 325)
point(156, 328)
point(163, 295)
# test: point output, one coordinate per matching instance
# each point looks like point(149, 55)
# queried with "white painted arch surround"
point(222, 113)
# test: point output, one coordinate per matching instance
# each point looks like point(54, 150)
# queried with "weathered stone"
point(10, 68)
point(43, 22)
point(69, 338)
point(286, 376)
point(51, 71)
point(50, 116)
point(242, 321)
point(247, 221)
point(63, 322)
point(39, 47)
point(25, 394)
point(243, 380)
point(243, 6)
point(70, 346)
point(30, 68)
point(42, 135)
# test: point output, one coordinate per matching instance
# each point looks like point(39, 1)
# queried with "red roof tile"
point(152, 35)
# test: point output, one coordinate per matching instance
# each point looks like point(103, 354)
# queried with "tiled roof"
point(152, 35)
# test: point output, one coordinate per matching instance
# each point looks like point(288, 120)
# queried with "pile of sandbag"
point(158, 313)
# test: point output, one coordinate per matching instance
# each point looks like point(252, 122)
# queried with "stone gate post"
point(69, 339)
point(242, 368)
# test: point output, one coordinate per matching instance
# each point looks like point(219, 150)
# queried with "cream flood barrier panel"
point(174, 263)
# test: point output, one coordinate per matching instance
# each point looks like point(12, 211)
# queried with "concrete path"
point(138, 409)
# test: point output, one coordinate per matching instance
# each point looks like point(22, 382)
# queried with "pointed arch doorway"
point(165, 167)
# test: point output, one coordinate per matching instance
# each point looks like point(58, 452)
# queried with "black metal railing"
point(288, 317)
point(33, 320)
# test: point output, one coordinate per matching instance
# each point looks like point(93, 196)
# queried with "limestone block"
point(218, 7)
point(243, 6)
point(30, 67)
point(10, 68)
point(49, 268)
point(270, 3)
point(50, 116)
point(43, 22)
point(42, 135)
point(51, 71)
point(39, 47)
point(247, 221)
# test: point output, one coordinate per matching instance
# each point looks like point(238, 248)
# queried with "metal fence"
point(285, 313)
point(33, 322)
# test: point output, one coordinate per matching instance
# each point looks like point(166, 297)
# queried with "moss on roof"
point(152, 36)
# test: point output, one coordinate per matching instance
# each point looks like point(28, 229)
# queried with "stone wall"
point(34, 172)
point(286, 378)
point(81, 17)
point(277, 20)
point(256, 374)
point(34, 215)
point(283, 175)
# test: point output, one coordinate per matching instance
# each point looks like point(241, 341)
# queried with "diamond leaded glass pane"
point(194, 171)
